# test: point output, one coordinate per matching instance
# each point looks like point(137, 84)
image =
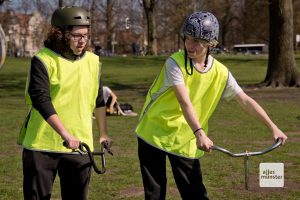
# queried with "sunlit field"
point(130, 78)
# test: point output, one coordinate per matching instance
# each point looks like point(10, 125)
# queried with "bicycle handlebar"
point(247, 154)
point(90, 154)
point(83, 147)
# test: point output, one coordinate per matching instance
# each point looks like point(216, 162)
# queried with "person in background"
point(112, 105)
point(135, 48)
point(63, 91)
point(110, 99)
point(174, 120)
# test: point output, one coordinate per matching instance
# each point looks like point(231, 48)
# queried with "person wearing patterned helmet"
point(174, 119)
point(201, 26)
point(63, 91)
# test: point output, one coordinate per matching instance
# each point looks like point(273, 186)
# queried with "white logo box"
point(271, 174)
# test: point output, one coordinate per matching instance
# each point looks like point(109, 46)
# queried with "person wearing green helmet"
point(174, 119)
point(63, 91)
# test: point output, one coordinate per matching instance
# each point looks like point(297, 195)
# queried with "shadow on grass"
point(12, 85)
point(140, 89)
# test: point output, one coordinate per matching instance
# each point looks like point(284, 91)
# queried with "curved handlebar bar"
point(90, 154)
point(84, 148)
point(274, 146)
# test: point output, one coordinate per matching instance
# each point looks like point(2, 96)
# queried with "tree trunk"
point(282, 70)
point(149, 6)
point(109, 27)
point(60, 3)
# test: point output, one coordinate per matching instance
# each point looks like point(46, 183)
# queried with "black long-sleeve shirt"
point(39, 89)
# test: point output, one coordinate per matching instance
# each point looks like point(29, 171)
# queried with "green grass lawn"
point(130, 78)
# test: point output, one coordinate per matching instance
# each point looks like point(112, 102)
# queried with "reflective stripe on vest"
point(73, 91)
point(162, 123)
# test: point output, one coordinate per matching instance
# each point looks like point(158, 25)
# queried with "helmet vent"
point(70, 16)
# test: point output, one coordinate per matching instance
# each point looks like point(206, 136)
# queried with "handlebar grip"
point(279, 141)
point(105, 145)
point(65, 144)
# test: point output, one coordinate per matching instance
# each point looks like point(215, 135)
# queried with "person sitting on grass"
point(112, 105)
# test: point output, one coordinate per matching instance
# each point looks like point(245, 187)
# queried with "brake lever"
point(105, 145)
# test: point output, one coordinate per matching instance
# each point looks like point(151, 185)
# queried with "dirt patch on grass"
point(132, 192)
point(173, 192)
point(285, 94)
point(293, 136)
point(139, 192)
point(253, 186)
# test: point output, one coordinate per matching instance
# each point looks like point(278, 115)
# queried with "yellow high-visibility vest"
point(162, 123)
point(73, 90)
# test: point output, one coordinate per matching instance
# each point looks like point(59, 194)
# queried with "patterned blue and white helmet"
point(202, 25)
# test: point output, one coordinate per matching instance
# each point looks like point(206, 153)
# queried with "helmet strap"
point(185, 63)
point(191, 66)
point(185, 60)
point(206, 57)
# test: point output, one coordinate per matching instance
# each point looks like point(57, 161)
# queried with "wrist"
point(198, 130)
point(273, 128)
point(103, 134)
point(64, 135)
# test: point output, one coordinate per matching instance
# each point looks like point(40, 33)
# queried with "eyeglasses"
point(77, 37)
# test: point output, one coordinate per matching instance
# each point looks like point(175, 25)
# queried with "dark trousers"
point(186, 172)
point(40, 169)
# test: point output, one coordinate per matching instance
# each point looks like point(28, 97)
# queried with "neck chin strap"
point(206, 57)
point(185, 63)
point(191, 66)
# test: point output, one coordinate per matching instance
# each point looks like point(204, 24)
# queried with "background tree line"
point(241, 21)
point(155, 25)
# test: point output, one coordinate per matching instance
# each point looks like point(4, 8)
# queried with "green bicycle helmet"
point(70, 16)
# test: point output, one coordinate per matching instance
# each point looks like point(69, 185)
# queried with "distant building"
point(35, 33)
point(24, 33)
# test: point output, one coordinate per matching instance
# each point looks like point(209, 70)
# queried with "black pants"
point(40, 169)
point(186, 172)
